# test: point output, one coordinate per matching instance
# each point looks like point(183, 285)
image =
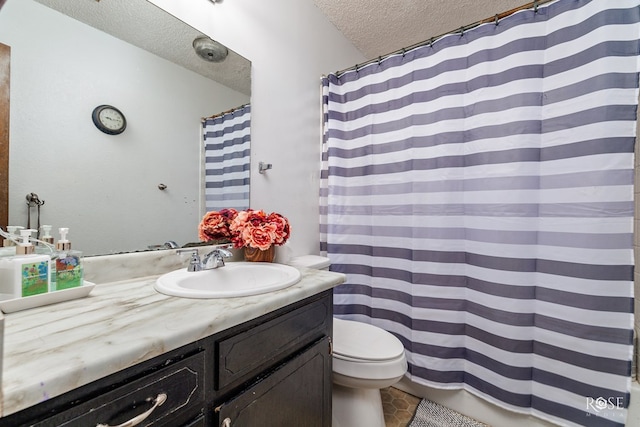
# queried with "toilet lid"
point(357, 340)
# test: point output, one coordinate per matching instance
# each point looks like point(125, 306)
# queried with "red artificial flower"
point(215, 225)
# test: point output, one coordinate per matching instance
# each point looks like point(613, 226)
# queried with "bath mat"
point(431, 414)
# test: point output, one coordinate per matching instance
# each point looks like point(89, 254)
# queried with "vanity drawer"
point(179, 386)
point(252, 351)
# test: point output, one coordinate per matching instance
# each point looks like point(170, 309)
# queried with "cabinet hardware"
point(159, 400)
point(226, 422)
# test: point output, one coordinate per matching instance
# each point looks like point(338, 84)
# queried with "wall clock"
point(109, 119)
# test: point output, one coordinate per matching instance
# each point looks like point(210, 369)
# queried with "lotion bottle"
point(69, 269)
point(26, 273)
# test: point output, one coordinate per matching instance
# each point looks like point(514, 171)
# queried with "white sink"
point(235, 279)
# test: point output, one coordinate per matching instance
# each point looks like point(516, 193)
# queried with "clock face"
point(109, 119)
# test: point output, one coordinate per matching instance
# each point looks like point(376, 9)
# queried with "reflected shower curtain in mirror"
point(227, 147)
point(478, 194)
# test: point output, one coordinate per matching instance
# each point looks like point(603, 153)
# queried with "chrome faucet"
point(170, 245)
point(214, 259)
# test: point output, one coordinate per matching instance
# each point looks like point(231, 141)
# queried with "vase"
point(258, 255)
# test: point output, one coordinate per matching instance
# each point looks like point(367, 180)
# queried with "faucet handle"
point(194, 262)
point(224, 251)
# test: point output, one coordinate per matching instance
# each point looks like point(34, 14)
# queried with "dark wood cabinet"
point(295, 394)
point(271, 371)
point(199, 422)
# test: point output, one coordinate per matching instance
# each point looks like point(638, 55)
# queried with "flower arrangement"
point(250, 228)
point(215, 226)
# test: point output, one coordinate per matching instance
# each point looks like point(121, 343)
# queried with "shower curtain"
point(478, 194)
point(227, 147)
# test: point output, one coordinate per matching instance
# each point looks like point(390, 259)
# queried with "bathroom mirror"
point(123, 192)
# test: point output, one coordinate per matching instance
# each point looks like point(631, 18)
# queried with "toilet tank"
point(310, 261)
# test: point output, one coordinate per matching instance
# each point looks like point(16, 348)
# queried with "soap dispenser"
point(26, 273)
point(46, 234)
point(24, 246)
point(11, 229)
point(69, 269)
point(48, 238)
point(8, 245)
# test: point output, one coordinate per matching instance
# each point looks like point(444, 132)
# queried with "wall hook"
point(263, 167)
point(162, 187)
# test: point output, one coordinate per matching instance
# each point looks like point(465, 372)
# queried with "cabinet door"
point(298, 393)
point(243, 356)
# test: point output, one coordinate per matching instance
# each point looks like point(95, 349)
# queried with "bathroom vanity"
point(128, 352)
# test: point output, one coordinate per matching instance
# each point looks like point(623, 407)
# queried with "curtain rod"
point(226, 112)
point(533, 5)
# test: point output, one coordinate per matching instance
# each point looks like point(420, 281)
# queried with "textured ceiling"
point(374, 27)
point(143, 24)
point(379, 27)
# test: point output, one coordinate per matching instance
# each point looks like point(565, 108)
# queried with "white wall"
point(57, 79)
point(290, 45)
point(289, 42)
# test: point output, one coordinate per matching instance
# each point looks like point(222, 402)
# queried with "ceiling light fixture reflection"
point(210, 50)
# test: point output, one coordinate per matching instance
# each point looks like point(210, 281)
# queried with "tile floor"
point(398, 407)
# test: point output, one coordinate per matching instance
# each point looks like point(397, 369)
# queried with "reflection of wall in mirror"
point(105, 188)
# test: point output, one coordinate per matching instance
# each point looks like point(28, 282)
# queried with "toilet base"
point(354, 407)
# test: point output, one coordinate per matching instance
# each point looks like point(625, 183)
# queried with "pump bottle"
point(26, 273)
point(69, 269)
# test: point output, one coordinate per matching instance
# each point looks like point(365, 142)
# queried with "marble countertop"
point(53, 349)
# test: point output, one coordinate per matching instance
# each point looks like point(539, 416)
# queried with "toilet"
point(366, 358)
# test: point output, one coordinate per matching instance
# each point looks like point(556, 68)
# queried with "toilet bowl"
point(365, 359)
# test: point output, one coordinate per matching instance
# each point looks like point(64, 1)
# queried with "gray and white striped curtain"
point(227, 145)
point(478, 194)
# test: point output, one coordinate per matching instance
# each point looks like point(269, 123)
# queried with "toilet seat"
point(362, 342)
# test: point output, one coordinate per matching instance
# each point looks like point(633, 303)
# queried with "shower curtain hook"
point(379, 60)
point(535, 6)
point(461, 31)
point(404, 51)
point(431, 42)
point(496, 19)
